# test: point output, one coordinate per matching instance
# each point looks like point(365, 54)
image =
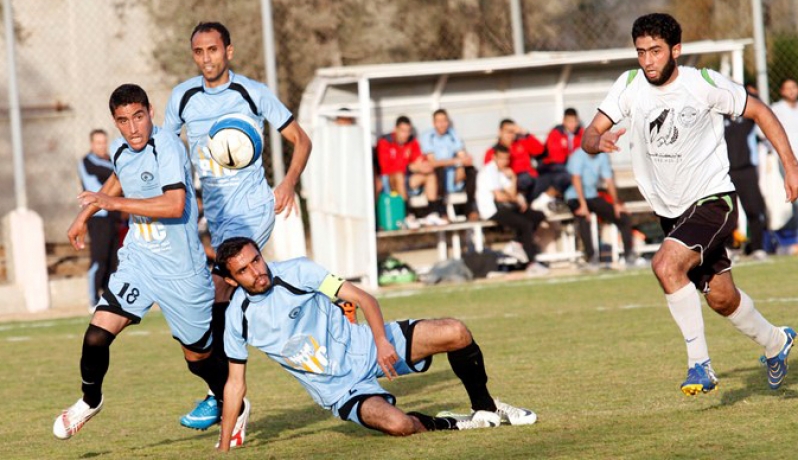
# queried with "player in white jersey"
point(236, 202)
point(161, 261)
point(681, 165)
point(287, 311)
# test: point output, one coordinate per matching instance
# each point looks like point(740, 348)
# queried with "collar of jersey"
point(218, 89)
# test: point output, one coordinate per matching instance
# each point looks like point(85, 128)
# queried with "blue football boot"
point(700, 379)
point(204, 416)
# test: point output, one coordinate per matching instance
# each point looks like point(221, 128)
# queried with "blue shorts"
point(257, 225)
point(400, 334)
point(186, 303)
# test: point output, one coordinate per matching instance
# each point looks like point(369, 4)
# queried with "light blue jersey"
point(591, 168)
point(164, 248)
point(237, 202)
point(297, 325)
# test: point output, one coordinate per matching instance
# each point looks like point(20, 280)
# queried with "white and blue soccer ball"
point(235, 141)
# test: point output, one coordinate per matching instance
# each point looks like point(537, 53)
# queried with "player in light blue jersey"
point(287, 310)
point(162, 259)
point(236, 202)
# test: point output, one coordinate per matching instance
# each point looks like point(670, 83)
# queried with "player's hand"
point(386, 358)
point(791, 184)
point(98, 199)
point(608, 140)
point(77, 234)
point(582, 210)
point(284, 198)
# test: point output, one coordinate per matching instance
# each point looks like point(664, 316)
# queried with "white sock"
point(685, 307)
point(750, 322)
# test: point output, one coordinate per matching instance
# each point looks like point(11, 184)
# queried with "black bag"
point(481, 263)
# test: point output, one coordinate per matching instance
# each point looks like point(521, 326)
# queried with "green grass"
point(597, 357)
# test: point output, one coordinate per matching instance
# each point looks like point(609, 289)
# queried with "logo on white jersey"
point(688, 116)
point(304, 352)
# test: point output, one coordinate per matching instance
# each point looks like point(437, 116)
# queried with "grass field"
point(597, 357)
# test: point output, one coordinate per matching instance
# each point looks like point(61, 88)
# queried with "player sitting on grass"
point(286, 310)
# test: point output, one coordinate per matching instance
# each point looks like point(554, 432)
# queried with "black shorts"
point(705, 227)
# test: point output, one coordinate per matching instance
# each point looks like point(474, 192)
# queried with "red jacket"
point(559, 145)
point(394, 157)
point(521, 153)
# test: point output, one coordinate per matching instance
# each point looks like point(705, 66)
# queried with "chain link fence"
point(71, 54)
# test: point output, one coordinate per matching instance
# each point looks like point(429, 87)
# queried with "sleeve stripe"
point(608, 117)
point(176, 186)
point(285, 125)
point(237, 361)
point(330, 286)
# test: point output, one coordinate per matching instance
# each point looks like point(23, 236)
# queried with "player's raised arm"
point(284, 192)
point(774, 132)
point(598, 137)
point(386, 353)
point(234, 391)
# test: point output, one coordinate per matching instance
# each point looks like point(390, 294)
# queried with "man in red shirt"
point(401, 161)
point(561, 143)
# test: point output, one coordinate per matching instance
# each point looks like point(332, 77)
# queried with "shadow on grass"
point(301, 419)
point(754, 380)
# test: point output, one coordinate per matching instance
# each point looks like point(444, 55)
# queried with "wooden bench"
point(442, 230)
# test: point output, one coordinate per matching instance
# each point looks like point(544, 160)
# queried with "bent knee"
point(458, 334)
point(400, 427)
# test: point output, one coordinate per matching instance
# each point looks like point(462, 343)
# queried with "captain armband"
point(330, 286)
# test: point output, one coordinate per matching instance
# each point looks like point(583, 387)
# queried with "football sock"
point(94, 363)
point(469, 365)
point(213, 370)
point(685, 307)
point(750, 322)
point(217, 329)
point(435, 423)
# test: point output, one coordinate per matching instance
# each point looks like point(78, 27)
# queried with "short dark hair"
point(570, 112)
point(97, 131)
point(500, 148)
point(403, 120)
point(230, 248)
point(203, 27)
point(505, 122)
point(128, 94)
point(440, 112)
point(785, 80)
point(658, 25)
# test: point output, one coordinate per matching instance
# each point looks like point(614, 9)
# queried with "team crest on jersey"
point(147, 176)
point(295, 313)
point(688, 116)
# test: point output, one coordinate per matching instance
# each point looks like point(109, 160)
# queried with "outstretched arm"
point(284, 192)
point(386, 353)
point(598, 137)
point(774, 131)
point(168, 205)
point(234, 391)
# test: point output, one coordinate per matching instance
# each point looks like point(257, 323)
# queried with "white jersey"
point(676, 134)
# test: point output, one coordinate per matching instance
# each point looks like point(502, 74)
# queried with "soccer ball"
point(235, 141)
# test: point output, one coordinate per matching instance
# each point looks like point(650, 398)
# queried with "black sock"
point(213, 370)
point(217, 329)
point(94, 363)
point(435, 423)
point(469, 365)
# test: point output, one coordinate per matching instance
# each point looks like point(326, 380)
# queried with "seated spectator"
point(523, 146)
point(563, 140)
point(740, 134)
point(405, 168)
point(498, 200)
point(453, 165)
point(587, 172)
